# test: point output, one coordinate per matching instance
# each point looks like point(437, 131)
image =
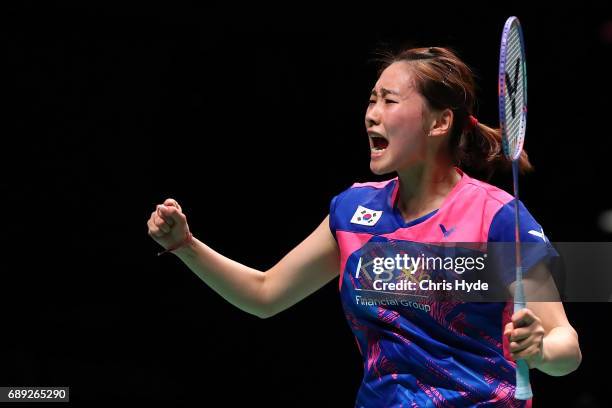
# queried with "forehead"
point(397, 77)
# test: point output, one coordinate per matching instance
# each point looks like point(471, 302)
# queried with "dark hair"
point(447, 82)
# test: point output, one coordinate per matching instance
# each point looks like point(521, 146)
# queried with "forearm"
point(236, 283)
point(561, 352)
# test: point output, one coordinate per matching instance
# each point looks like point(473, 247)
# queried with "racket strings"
point(514, 95)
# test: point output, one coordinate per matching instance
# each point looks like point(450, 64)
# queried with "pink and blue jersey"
point(428, 353)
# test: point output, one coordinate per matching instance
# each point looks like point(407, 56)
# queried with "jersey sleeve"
point(535, 246)
point(333, 216)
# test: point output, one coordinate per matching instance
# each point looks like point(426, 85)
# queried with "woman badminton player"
point(421, 126)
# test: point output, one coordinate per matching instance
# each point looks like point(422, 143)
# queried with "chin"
point(379, 170)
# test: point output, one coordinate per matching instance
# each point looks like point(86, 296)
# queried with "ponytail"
point(479, 147)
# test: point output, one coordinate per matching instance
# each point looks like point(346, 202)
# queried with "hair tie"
point(472, 122)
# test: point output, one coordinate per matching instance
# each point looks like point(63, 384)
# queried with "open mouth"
point(379, 143)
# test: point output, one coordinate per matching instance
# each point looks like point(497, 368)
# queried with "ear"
point(442, 123)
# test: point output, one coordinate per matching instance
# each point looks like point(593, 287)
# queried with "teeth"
point(377, 149)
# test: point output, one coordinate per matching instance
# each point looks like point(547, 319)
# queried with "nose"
point(372, 117)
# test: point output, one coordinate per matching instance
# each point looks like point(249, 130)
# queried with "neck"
point(423, 187)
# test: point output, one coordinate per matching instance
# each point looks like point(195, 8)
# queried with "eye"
point(371, 101)
point(390, 101)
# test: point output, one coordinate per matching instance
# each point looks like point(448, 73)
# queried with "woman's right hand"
point(168, 225)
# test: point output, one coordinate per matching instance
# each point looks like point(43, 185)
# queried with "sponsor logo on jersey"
point(539, 234)
point(446, 232)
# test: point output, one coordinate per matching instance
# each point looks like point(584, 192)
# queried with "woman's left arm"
point(541, 334)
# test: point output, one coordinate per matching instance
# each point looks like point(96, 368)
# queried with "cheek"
point(405, 123)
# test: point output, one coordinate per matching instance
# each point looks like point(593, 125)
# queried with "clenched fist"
point(526, 333)
point(168, 225)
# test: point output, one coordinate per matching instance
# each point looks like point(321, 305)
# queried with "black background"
point(253, 121)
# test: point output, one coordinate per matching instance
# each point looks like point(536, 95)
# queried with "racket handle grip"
point(523, 388)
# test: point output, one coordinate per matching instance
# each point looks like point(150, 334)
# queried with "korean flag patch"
point(365, 216)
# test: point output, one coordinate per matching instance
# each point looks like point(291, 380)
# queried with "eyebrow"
point(384, 92)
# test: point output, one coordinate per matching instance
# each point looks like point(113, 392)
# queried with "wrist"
point(541, 359)
point(181, 246)
point(187, 249)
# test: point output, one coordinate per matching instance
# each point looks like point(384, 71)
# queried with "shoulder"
point(374, 196)
point(501, 207)
point(373, 184)
point(475, 202)
point(503, 226)
point(498, 208)
point(364, 191)
point(487, 192)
